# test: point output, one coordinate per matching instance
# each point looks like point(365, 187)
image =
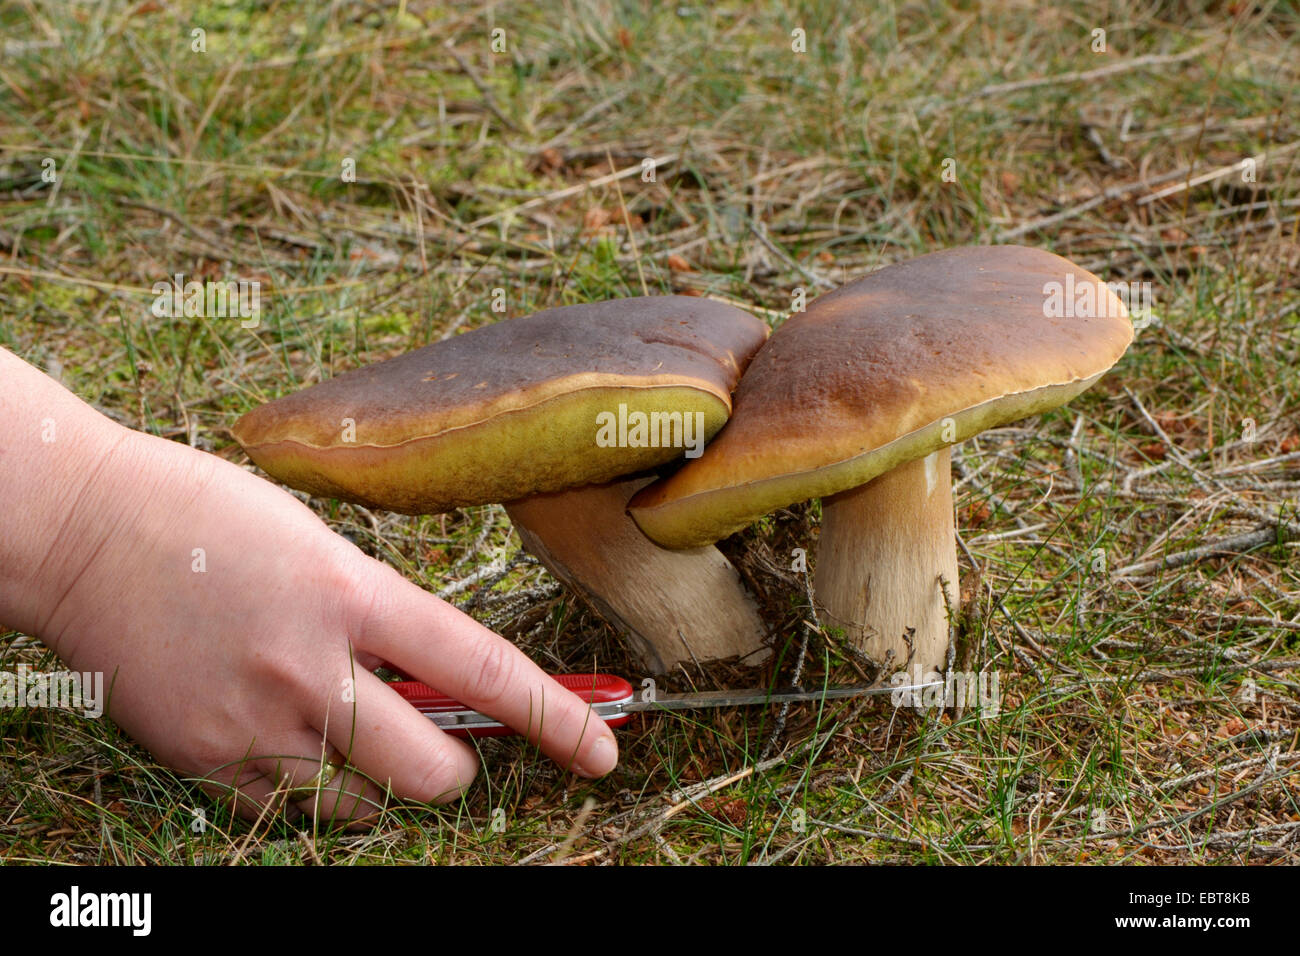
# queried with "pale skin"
point(252, 671)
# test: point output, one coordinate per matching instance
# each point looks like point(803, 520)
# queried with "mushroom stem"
point(675, 605)
point(884, 548)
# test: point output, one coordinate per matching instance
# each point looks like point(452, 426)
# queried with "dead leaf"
point(1234, 726)
point(734, 811)
point(1154, 450)
point(976, 514)
point(596, 219)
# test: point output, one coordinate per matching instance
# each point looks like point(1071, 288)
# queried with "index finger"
point(452, 652)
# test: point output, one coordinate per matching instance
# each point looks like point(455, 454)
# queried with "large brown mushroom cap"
point(864, 379)
point(507, 410)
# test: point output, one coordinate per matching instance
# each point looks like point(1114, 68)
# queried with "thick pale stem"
point(884, 549)
point(674, 605)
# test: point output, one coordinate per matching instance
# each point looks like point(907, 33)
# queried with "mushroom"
point(857, 401)
point(543, 413)
point(674, 606)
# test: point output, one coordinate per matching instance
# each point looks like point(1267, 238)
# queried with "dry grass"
point(1149, 707)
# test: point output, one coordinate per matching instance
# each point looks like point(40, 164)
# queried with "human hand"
point(249, 659)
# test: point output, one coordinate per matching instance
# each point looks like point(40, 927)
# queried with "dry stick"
point(667, 849)
point(627, 221)
point(1084, 76)
point(1192, 512)
point(1106, 195)
point(1220, 130)
point(1233, 545)
point(212, 239)
point(910, 841)
point(1250, 620)
point(1257, 464)
point(1156, 676)
point(575, 830)
point(768, 860)
point(497, 567)
point(105, 831)
point(926, 740)
point(1224, 837)
point(689, 798)
point(1276, 525)
point(579, 123)
point(691, 795)
point(1068, 841)
point(537, 854)
point(517, 597)
point(1217, 173)
point(1090, 130)
point(1024, 634)
point(489, 526)
point(1204, 482)
point(1072, 453)
point(685, 798)
point(483, 89)
point(779, 728)
point(786, 850)
point(501, 609)
point(360, 46)
point(759, 230)
point(1271, 759)
point(214, 164)
point(971, 475)
point(211, 109)
point(1160, 433)
point(306, 843)
point(1190, 815)
point(571, 191)
point(69, 166)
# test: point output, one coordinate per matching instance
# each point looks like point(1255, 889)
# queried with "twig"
point(1236, 544)
point(488, 100)
point(686, 798)
point(1083, 76)
point(1106, 195)
point(574, 831)
point(1271, 759)
point(759, 230)
point(1020, 629)
point(1217, 173)
point(571, 191)
point(784, 712)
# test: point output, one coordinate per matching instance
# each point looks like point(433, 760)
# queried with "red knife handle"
point(593, 688)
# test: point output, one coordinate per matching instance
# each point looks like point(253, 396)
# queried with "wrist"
point(59, 455)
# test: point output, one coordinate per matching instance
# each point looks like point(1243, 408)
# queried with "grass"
point(1149, 710)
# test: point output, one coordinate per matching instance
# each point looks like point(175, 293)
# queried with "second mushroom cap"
point(885, 370)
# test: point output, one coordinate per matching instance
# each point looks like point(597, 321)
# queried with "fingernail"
point(601, 757)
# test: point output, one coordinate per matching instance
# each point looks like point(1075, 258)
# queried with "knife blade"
point(614, 700)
